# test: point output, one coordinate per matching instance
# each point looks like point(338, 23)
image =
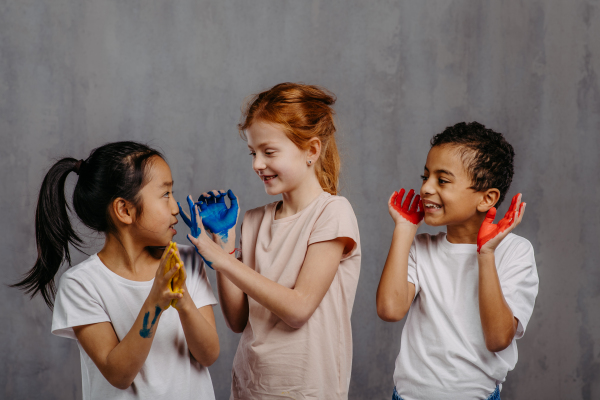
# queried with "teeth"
point(432, 206)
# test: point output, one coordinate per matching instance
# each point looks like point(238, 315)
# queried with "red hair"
point(303, 112)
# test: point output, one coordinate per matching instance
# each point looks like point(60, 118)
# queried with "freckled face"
point(278, 162)
point(446, 193)
point(155, 226)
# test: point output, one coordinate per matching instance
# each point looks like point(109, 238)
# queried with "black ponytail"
point(115, 170)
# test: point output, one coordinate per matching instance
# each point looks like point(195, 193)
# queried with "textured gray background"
point(77, 74)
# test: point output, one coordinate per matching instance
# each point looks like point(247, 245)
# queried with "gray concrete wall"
point(77, 74)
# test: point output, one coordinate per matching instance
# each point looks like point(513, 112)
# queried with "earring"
point(309, 162)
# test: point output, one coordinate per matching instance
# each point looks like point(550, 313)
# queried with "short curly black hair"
point(488, 157)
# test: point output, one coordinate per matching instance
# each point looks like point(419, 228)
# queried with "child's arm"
point(120, 362)
point(497, 319)
point(395, 293)
point(222, 220)
point(294, 306)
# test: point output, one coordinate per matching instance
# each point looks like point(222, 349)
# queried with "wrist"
point(486, 257)
point(406, 229)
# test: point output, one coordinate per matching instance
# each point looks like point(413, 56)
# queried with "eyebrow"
point(262, 145)
point(441, 171)
point(167, 184)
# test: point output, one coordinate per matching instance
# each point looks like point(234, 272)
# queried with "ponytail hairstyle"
point(303, 112)
point(111, 171)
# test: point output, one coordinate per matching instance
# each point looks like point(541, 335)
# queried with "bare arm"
point(293, 305)
point(395, 293)
point(497, 320)
point(200, 330)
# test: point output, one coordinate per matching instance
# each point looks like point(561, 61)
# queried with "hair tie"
point(78, 166)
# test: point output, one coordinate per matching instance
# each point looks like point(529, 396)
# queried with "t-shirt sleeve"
point(519, 281)
point(412, 267)
point(76, 304)
point(335, 221)
point(197, 279)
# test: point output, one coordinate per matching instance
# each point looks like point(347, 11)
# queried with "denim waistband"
point(493, 396)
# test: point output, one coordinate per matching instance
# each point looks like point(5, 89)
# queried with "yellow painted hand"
point(179, 278)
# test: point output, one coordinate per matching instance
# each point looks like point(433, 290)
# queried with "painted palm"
point(217, 218)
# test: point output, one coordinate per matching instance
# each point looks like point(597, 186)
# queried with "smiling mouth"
point(266, 178)
point(432, 206)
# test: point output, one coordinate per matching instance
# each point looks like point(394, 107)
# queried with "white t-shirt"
point(443, 353)
point(90, 293)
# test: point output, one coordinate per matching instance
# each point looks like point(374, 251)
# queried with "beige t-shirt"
point(273, 360)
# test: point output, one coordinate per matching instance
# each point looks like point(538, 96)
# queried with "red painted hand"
point(489, 230)
point(413, 214)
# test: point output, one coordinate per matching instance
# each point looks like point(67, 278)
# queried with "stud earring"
point(309, 162)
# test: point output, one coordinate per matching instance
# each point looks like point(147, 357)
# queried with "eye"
point(442, 181)
point(253, 154)
point(166, 194)
point(423, 178)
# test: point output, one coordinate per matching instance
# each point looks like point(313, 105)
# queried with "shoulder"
point(516, 245)
point(258, 213)
point(339, 205)
point(85, 272)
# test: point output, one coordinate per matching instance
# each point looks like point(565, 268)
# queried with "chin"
point(433, 221)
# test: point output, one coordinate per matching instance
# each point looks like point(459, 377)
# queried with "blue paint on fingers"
point(216, 217)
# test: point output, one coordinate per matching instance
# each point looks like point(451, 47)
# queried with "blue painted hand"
point(192, 222)
point(216, 217)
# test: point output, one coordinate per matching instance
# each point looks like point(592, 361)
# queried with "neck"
point(125, 257)
point(465, 232)
point(298, 199)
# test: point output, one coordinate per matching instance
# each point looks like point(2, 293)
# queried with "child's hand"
point(216, 217)
point(490, 235)
point(178, 281)
point(207, 248)
point(161, 293)
point(190, 220)
point(406, 214)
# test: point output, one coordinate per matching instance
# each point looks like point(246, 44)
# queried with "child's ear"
point(123, 211)
point(488, 200)
point(313, 151)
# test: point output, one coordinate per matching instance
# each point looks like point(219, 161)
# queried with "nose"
point(427, 188)
point(258, 163)
point(174, 207)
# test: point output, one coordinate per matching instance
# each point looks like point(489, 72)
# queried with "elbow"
point(236, 326)
point(297, 321)
point(211, 357)
point(390, 312)
point(120, 382)
point(497, 344)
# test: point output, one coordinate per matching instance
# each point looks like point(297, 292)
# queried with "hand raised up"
point(490, 235)
point(406, 213)
point(216, 216)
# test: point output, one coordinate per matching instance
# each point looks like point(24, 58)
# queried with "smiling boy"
point(469, 292)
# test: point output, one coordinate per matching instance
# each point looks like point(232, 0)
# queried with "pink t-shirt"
point(274, 360)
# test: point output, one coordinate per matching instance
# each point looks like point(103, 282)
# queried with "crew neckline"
point(298, 214)
point(457, 247)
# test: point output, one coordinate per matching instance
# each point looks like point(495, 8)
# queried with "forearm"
point(290, 305)
point(497, 320)
point(200, 334)
point(125, 360)
point(393, 295)
point(234, 303)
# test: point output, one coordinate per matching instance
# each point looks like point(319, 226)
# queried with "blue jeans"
point(493, 396)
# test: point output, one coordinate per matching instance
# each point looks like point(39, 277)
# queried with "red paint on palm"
point(489, 230)
point(412, 213)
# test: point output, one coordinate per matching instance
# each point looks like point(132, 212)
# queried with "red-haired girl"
point(292, 290)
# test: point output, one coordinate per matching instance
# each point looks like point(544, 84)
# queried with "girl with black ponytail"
point(112, 303)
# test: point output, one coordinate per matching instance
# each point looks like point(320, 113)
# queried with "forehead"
point(447, 158)
point(159, 173)
point(262, 133)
